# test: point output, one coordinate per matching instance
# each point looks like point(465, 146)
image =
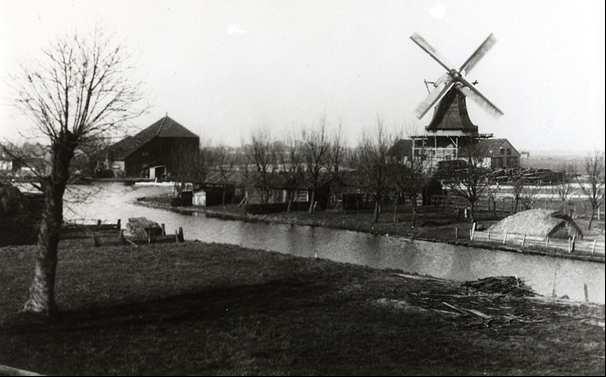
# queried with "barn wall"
point(174, 153)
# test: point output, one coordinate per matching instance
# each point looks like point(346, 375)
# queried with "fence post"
point(593, 246)
point(121, 236)
point(473, 231)
point(546, 241)
point(95, 240)
point(456, 232)
point(489, 235)
point(505, 238)
point(569, 245)
point(163, 229)
point(524, 241)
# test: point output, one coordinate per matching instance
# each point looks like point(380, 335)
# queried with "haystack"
point(540, 223)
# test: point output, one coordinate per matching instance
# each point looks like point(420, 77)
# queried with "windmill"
point(455, 77)
point(450, 128)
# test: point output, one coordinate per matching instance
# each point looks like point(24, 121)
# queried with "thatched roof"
point(535, 222)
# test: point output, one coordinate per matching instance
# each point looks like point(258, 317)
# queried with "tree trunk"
point(290, 200)
point(377, 211)
point(591, 218)
point(472, 212)
point(413, 220)
point(42, 291)
point(311, 202)
point(395, 209)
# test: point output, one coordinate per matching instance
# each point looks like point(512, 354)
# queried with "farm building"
point(162, 149)
point(539, 223)
point(499, 154)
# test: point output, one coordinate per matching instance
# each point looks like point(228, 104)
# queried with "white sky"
point(222, 68)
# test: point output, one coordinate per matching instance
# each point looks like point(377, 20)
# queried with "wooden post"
point(593, 246)
point(546, 241)
point(586, 292)
point(180, 235)
point(456, 232)
point(489, 235)
point(121, 237)
point(95, 240)
point(505, 239)
point(524, 241)
point(163, 230)
point(472, 232)
point(574, 239)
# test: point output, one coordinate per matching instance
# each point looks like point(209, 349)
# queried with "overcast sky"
point(223, 68)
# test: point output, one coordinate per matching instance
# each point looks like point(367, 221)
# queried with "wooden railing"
point(570, 245)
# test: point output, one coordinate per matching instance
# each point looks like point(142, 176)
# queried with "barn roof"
point(166, 127)
point(451, 114)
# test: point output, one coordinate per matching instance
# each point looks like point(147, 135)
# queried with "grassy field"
point(197, 308)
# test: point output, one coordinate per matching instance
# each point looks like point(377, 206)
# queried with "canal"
point(112, 201)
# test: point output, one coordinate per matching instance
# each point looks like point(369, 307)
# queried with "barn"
point(499, 154)
point(160, 150)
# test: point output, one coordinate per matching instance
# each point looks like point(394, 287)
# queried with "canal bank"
point(453, 234)
point(546, 275)
point(201, 308)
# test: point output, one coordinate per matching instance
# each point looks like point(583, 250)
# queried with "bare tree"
point(470, 182)
point(593, 189)
point(223, 168)
point(316, 159)
point(409, 179)
point(76, 93)
point(261, 153)
point(292, 168)
point(373, 163)
point(530, 196)
point(564, 187)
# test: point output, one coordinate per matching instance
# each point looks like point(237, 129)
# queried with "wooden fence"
point(505, 205)
point(570, 245)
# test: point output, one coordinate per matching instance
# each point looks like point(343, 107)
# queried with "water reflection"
point(114, 201)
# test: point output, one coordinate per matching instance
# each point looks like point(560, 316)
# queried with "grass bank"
point(197, 308)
